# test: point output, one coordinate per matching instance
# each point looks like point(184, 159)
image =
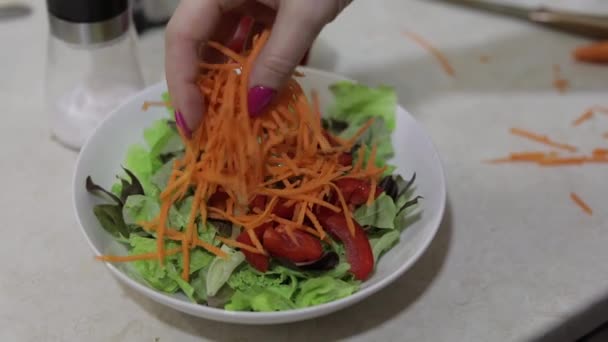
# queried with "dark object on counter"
point(143, 24)
point(86, 11)
point(88, 22)
point(579, 24)
point(12, 10)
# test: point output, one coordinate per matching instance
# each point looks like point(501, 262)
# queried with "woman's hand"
point(296, 24)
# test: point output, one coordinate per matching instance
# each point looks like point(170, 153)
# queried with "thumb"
point(297, 25)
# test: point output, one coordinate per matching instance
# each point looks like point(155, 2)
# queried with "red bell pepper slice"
point(258, 261)
point(279, 244)
point(355, 191)
point(358, 250)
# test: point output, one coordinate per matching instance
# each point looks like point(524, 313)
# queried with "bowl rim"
point(265, 318)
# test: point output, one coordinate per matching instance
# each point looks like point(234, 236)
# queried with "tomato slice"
point(279, 244)
point(356, 191)
point(283, 211)
point(345, 159)
point(358, 250)
point(218, 199)
point(241, 35)
point(258, 261)
point(259, 201)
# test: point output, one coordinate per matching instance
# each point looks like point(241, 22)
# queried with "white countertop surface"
point(513, 261)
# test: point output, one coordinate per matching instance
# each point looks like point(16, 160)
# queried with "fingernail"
point(258, 98)
point(181, 123)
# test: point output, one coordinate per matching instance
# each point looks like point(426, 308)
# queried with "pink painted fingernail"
point(258, 98)
point(181, 123)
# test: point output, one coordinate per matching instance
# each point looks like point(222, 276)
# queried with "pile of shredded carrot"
point(562, 154)
point(284, 155)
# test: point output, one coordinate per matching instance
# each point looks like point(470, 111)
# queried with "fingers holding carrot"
point(296, 24)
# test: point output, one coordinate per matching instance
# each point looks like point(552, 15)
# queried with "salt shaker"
point(92, 65)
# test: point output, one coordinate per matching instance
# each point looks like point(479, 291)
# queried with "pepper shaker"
point(92, 65)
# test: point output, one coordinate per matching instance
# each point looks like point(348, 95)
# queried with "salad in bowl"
point(287, 211)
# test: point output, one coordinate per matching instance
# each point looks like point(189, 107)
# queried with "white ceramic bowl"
point(104, 152)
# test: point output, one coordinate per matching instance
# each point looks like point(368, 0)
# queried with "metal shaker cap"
point(86, 22)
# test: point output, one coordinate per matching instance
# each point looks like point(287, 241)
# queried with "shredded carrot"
point(587, 115)
point(211, 248)
point(236, 244)
point(578, 201)
point(143, 256)
point(441, 58)
point(147, 104)
point(347, 214)
point(543, 139)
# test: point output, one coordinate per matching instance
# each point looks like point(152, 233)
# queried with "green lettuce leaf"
point(150, 270)
point(356, 103)
point(339, 271)
point(207, 233)
point(380, 214)
point(143, 164)
point(248, 277)
point(167, 99)
point(199, 285)
point(158, 136)
point(199, 259)
point(259, 299)
point(183, 285)
point(179, 213)
point(111, 220)
point(384, 243)
point(161, 177)
point(325, 289)
point(281, 281)
point(378, 134)
point(221, 269)
point(140, 208)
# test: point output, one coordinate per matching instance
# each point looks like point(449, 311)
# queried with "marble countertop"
point(514, 260)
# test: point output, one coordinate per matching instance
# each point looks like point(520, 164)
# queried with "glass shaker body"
point(86, 81)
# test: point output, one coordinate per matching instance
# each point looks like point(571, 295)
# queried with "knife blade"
point(590, 26)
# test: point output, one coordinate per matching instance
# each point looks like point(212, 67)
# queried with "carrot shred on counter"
point(484, 59)
point(579, 202)
point(521, 157)
point(441, 58)
point(593, 53)
point(543, 139)
point(587, 115)
point(284, 154)
point(559, 83)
